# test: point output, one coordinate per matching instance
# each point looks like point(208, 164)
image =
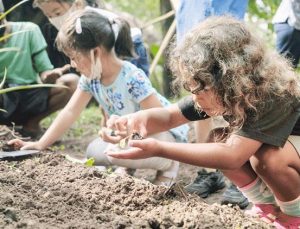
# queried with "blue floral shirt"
point(125, 94)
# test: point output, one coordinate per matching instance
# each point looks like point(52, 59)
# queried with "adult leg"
point(288, 42)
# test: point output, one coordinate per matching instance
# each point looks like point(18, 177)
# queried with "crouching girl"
point(229, 72)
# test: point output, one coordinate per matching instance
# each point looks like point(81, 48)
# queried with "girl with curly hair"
point(229, 72)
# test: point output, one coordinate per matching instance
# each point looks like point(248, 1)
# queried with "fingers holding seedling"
point(119, 124)
point(124, 142)
point(109, 135)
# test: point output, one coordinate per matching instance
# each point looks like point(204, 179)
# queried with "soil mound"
point(48, 191)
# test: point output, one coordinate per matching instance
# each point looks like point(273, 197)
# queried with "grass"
point(87, 124)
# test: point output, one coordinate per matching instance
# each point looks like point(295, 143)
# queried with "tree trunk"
point(166, 6)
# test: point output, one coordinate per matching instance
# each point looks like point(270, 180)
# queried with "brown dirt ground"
point(47, 191)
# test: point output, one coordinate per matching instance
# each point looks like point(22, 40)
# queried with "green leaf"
point(11, 9)
point(75, 160)
point(154, 49)
point(87, 162)
point(12, 49)
point(25, 87)
point(4, 78)
point(12, 34)
point(90, 162)
point(110, 170)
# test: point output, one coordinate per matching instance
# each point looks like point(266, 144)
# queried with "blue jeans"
point(288, 42)
point(192, 12)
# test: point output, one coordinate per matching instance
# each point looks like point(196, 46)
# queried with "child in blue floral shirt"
point(88, 39)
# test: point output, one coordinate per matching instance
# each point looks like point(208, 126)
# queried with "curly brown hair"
point(223, 53)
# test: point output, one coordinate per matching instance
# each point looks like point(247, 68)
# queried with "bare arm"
point(153, 119)
point(162, 119)
point(230, 155)
point(66, 117)
point(147, 122)
point(150, 102)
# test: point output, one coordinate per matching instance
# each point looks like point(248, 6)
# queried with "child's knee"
point(266, 163)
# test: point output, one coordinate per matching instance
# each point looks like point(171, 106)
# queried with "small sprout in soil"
point(90, 162)
point(109, 170)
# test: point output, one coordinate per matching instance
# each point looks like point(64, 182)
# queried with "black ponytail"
point(96, 30)
point(124, 46)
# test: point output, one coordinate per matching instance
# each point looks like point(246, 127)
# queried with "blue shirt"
point(191, 12)
point(126, 93)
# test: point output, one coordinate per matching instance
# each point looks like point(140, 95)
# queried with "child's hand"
point(139, 149)
point(118, 124)
point(109, 135)
point(22, 145)
point(128, 124)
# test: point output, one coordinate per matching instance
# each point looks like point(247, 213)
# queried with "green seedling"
point(124, 142)
point(87, 162)
point(12, 49)
point(11, 34)
point(109, 170)
point(90, 162)
point(5, 90)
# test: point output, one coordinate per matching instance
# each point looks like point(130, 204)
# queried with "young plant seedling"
point(134, 136)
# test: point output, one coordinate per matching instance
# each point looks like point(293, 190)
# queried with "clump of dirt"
point(48, 191)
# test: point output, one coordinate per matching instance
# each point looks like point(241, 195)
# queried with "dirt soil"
point(48, 191)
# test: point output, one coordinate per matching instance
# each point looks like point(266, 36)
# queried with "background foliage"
point(144, 10)
point(259, 16)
